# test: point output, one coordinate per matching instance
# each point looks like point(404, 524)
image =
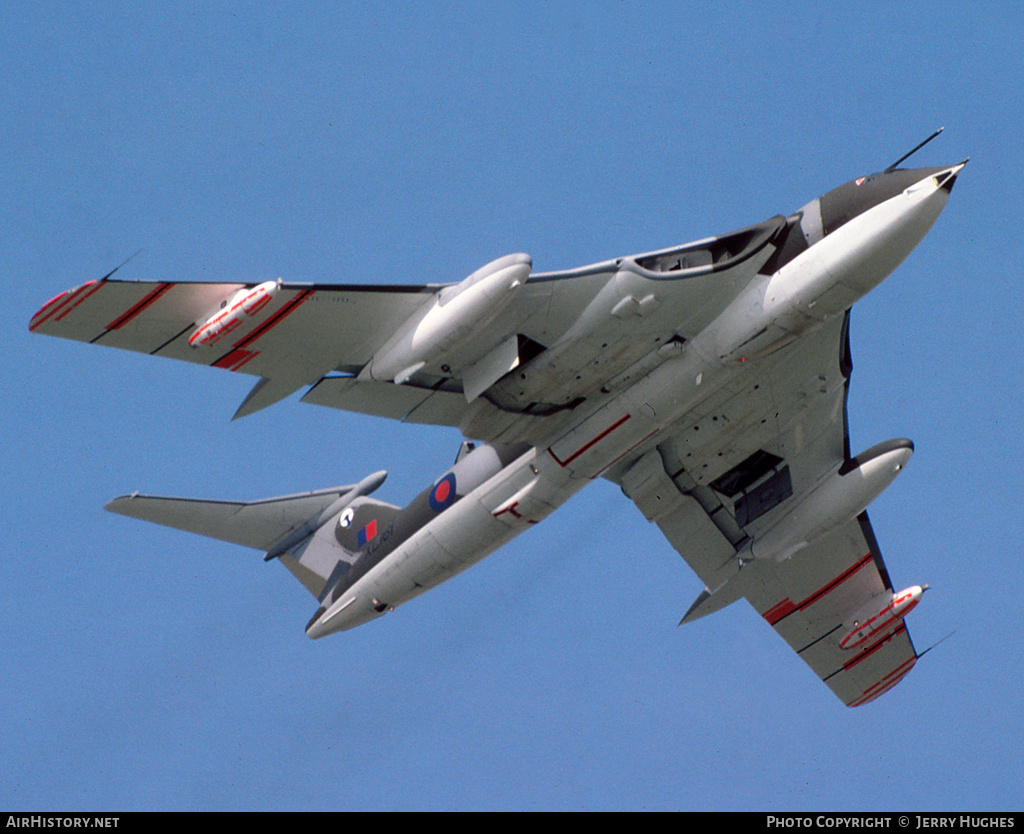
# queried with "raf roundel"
point(443, 493)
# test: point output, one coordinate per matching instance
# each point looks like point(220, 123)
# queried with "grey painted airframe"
point(708, 381)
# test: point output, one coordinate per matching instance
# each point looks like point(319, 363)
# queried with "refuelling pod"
point(878, 617)
point(456, 317)
point(243, 304)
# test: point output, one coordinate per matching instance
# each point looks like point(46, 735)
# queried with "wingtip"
point(115, 505)
point(58, 306)
point(61, 304)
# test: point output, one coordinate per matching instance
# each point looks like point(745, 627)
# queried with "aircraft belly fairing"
point(708, 380)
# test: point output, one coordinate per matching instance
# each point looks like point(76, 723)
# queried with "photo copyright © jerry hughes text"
point(894, 821)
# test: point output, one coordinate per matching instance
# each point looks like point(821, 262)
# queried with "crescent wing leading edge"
point(737, 471)
point(326, 335)
point(301, 334)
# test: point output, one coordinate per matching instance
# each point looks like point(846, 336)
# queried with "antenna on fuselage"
point(909, 153)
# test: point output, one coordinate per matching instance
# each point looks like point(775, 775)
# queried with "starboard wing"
point(581, 327)
point(303, 333)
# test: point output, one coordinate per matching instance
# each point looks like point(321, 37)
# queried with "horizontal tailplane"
point(284, 527)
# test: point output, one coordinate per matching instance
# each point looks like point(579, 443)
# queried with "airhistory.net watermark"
point(59, 821)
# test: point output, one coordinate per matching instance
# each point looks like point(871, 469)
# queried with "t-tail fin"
point(322, 561)
point(297, 528)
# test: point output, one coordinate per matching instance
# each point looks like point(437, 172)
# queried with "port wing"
point(729, 473)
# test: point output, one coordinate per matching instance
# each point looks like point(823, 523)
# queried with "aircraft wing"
point(806, 599)
point(731, 471)
point(306, 331)
point(324, 335)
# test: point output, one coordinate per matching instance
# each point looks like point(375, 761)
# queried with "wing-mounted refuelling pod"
point(841, 496)
point(452, 329)
point(880, 617)
point(245, 303)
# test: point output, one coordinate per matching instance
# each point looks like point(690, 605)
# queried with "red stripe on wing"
point(589, 443)
point(870, 650)
point(879, 688)
point(276, 319)
point(238, 356)
point(236, 359)
point(60, 304)
point(783, 609)
point(131, 313)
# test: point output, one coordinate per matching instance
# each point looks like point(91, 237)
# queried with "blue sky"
point(148, 669)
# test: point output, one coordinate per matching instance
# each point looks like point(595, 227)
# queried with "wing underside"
point(718, 479)
point(303, 333)
point(565, 334)
point(729, 473)
point(807, 598)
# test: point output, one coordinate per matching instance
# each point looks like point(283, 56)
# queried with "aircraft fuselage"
point(843, 245)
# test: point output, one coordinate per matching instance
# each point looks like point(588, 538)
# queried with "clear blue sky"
point(149, 669)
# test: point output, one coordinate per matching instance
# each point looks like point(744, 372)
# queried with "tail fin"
point(284, 527)
point(320, 561)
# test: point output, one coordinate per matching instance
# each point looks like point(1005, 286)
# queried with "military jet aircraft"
point(708, 380)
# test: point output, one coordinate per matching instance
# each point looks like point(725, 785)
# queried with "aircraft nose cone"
point(902, 456)
point(947, 179)
point(842, 204)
